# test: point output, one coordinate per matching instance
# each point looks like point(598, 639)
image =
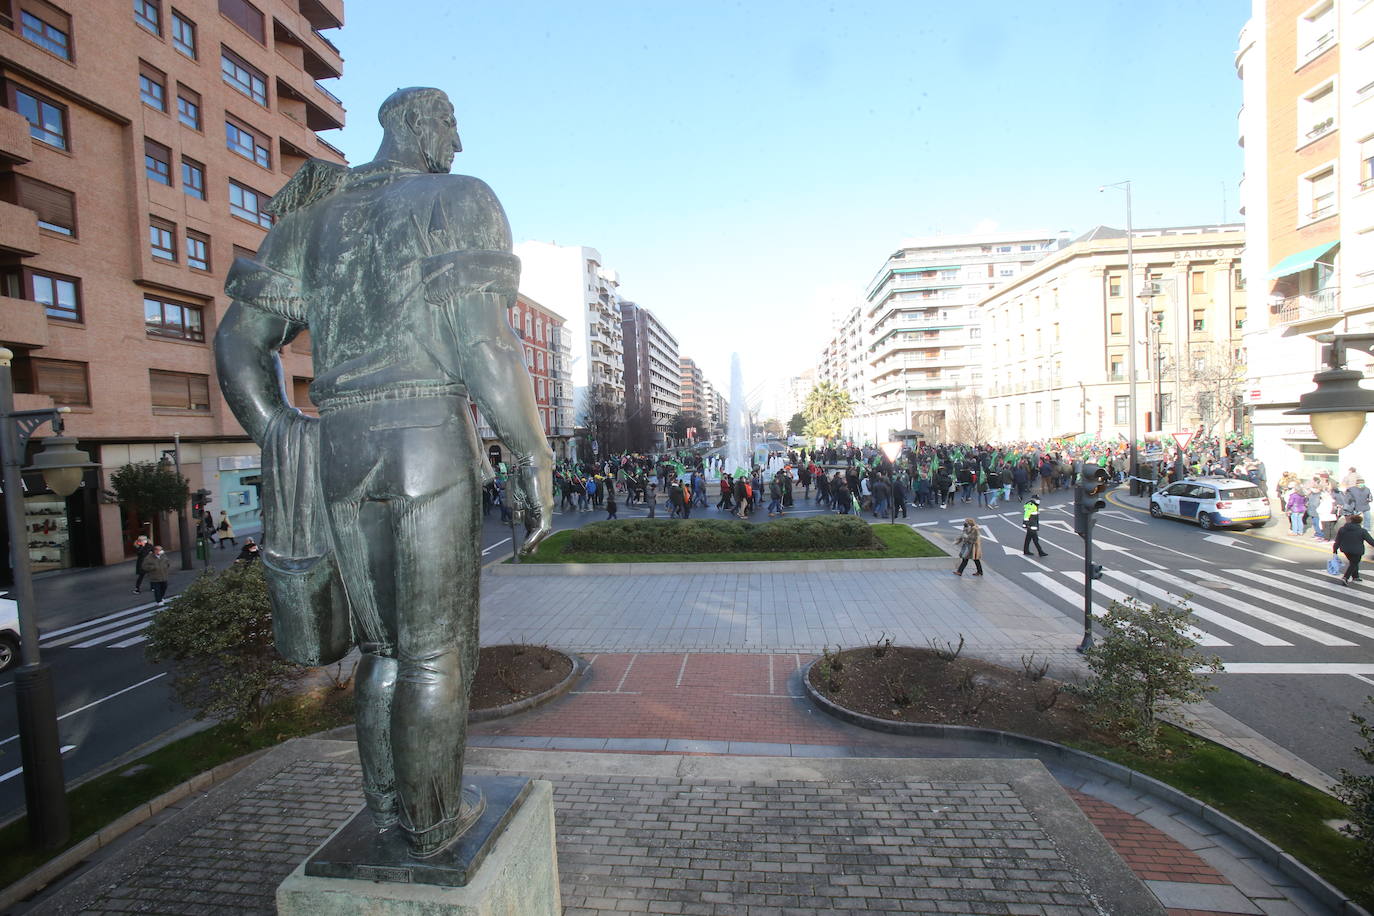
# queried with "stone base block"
point(518, 877)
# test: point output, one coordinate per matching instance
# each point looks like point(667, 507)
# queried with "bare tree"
point(970, 420)
point(604, 417)
point(1213, 385)
point(931, 423)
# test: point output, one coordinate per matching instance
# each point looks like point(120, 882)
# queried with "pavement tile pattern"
point(1151, 853)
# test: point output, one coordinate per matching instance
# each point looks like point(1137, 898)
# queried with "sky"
point(747, 167)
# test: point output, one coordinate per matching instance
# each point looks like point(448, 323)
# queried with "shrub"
point(693, 536)
point(1357, 791)
point(219, 633)
point(1143, 664)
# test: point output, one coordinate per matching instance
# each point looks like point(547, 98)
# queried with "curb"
point(579, 667)
point(896, 564)
point(56, 867)
point(1266, 851)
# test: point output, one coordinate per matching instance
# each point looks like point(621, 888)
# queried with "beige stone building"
point(139, 145)
point(1056, 338)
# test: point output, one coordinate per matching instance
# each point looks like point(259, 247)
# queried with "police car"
point(1212, 502)
point(9, 634)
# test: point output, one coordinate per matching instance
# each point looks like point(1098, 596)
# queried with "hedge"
point(688, 536)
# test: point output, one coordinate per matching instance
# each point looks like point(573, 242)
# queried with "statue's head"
point(422, 119)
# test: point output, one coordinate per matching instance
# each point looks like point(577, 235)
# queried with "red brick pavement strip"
point(734, 697)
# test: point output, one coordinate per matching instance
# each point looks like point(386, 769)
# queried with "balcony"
point(1320, 306)
point(18, 230)
point(25, 323)
point(323, 14)
point(16, 144)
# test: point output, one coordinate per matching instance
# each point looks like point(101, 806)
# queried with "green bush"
point(691, 536)
point(219, 634)
point(1357, 791)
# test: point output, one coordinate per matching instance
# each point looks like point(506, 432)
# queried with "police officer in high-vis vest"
point(1030, 520)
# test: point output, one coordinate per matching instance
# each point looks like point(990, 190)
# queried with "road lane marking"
point(682, 670)
point(96, 702)
point(130, 642)
point(1324, 584)
point(1244, 607)
point(15, 772)
point(494, 546)
point(142, 620)
point(1299, 668)
point(101, 639)
point(1063, 591)
point(47, 635)
point(621, 685)
point(1294, 607)
point(1203, 613)
point(1201, 637)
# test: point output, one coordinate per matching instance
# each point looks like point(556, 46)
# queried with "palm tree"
point(826, 408)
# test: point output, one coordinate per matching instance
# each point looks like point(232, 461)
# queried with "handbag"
point(1335, 565)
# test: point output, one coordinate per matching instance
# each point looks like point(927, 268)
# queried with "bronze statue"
point(404, 276)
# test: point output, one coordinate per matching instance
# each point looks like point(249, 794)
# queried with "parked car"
point(9, 634)
point(1213, 502)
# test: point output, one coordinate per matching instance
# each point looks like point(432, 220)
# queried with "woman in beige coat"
point(970, 544)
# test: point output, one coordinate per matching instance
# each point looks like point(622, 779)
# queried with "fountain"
point(739, 448)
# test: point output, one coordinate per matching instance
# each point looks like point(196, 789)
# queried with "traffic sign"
point(1183, 439)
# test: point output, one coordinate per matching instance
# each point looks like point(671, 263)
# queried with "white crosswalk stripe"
point(111, 630)
point(1284, 603)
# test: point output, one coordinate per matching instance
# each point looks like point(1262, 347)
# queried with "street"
point(1297, 645)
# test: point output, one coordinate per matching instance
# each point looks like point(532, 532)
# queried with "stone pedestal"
point(514, 870)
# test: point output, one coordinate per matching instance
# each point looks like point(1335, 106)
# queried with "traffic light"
point(199, 500)
point(1096, 571)
point(1089, 498)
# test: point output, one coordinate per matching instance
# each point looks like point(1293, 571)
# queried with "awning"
point(1303, 260)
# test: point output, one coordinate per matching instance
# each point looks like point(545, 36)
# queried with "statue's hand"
point(486, 474)
point(531, 488)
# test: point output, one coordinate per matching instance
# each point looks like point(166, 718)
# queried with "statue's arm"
point(250, 373)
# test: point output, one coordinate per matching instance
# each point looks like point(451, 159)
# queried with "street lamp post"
point(183, 525)
point(1133, 460)
point(45, 792)
point(1337, 408)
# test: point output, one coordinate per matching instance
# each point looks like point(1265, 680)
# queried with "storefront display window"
point(45, 532)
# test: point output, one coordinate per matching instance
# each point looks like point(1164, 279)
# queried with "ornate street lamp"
point(1337, 408)
point(45, 790)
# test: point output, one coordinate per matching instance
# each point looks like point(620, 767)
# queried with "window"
point(1199, 319)
point(157, 162)
point(55, 207)
point(1056, 332)
point(1122, 403)
point(247, 17)
point(148, 13)
point(1115, 322)
point(1003, 249)
point(47, 119)
point(62, 380)
point(162, 237)
point(188, 107)
point(244, 77)
point(1240, 317)
point(193, 178)
point(1116, 372)
point(61, 296)
point(152, 87)
point(183, 35)
point(1316, 31)
point(247, 144)
point(1199, 282)
point(52, 34)
point(248, 204)
point(1114, 287)
point(179, 391)
point(1317, 113)
point(197, 250)
point(975, 333)
point(165, 318)
point(1367, 163)
point(1238, 280)
point(1317, 195)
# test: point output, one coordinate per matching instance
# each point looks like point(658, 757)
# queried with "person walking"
point(774, 497)
point(159, 568)
point(1350, 540)
point(226, 530)
point(1030, 520)
point(610, 503)
point(142, 548)
point(970, 544)
point(249, 554)
point(1357, 498)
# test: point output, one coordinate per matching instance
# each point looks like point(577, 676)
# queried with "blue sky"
point(747, 166)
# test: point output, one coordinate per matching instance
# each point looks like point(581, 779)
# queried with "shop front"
point(239, 491)
point(59, 532)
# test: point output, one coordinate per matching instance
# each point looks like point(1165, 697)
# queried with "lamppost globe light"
point(62, 465)
point(1337, 428)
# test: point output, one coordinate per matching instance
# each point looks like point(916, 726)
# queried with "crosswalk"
point(1274, 607)
point(116, 630)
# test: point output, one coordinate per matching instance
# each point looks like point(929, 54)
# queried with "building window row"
point(177, 320)
point(54, 207)
point(248, 143)
point(162, 240)
point(243, 76)
point(60, 295)
point(47, 118)
point(48, 27)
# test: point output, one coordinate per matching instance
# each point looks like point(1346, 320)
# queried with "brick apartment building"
point(139, 145)
point(541, 332)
